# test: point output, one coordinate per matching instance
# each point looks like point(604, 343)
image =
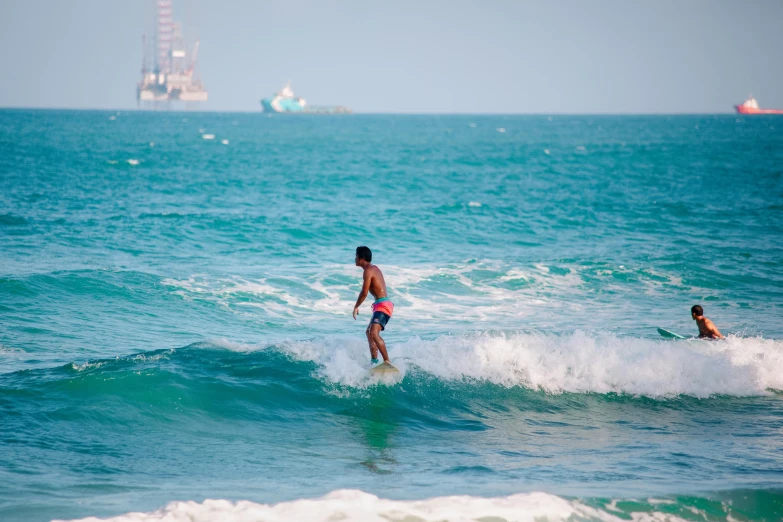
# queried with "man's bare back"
point(708, 329)
point(377, 285)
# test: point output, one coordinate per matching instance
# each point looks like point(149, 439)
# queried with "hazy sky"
point(410, 56)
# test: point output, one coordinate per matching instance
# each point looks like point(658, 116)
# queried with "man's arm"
point(714, 330)
point(363, 293)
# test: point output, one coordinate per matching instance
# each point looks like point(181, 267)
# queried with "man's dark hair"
point(698, 310)
point(364, 253)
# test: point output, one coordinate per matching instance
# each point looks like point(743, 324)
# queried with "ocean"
point(176, 340)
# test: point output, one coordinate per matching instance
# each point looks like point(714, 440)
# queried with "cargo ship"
point(751, 106)
point(284, 101)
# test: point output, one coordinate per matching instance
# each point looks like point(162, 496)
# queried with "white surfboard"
point(385, 368)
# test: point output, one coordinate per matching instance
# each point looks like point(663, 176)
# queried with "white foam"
point(133, 162)
point(234, 346)
point(87, 366)
point(515, 295)
point(10, 357)
point(151, 358)
point(580, 362)
point(355, 505)
point(11, 351)
point(224, 289)
point(341, 360)
point(208, 136)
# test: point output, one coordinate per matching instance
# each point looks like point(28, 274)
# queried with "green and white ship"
point(284, 101)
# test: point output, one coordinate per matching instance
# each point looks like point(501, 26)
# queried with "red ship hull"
point(746, 110)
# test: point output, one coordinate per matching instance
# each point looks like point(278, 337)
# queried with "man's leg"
point(377, 342)
point(373, 346)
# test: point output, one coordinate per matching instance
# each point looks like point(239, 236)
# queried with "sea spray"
point(580, 362)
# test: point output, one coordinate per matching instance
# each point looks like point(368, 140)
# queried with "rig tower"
point(172, 76)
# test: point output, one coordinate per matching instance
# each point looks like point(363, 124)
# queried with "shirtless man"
point(382, 308)
point(707, 330)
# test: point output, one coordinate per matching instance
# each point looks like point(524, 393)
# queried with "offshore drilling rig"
point(170, 75)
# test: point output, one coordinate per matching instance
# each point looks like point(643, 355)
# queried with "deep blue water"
point(176, 311)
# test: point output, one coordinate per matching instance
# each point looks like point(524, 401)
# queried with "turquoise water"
point(176, 315)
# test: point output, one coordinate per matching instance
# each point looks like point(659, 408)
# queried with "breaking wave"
point(580, 363)
point(354, 505)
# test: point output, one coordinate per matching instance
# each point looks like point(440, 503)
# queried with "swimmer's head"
point(363, 253)
point(696, 311)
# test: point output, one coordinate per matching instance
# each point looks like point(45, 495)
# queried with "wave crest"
point(353, 505)
point(580, 362)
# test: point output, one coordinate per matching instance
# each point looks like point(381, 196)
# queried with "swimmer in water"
point(707, 329)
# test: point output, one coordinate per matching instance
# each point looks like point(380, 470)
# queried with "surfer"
point(382, 308)
point(707, 329)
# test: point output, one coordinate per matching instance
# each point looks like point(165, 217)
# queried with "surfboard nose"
point(385, 368)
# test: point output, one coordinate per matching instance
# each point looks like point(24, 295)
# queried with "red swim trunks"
point(382, 311)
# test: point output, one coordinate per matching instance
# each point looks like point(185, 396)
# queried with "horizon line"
point(361, 113)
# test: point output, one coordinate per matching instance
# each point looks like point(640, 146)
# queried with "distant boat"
point(284, 101)
point(751, 106)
